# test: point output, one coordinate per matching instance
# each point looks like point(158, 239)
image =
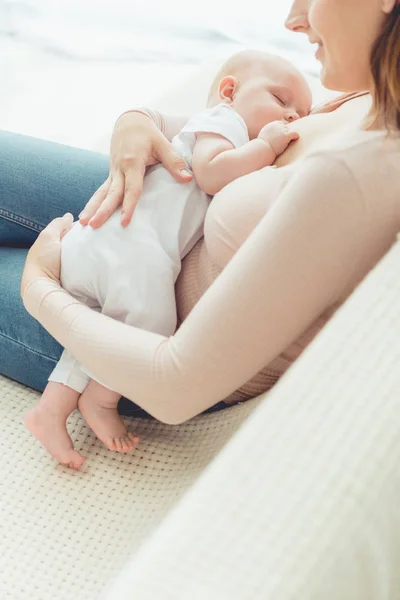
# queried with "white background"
point(69, 67)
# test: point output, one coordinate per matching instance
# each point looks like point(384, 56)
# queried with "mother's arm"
point(294, 265)
point(169, 125)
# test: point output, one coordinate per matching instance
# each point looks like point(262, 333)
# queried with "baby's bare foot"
point(47, 422)
point(98, 406)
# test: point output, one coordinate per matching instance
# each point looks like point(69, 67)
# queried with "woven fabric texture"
point(303, 502)
point(65, 534)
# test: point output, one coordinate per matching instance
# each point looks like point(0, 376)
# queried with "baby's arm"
point(216, 162)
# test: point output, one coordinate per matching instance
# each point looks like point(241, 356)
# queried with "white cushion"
point(303, 502)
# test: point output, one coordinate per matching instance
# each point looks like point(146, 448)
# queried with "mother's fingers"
point(111, 201)
point(58, 227)
point(133, 189)
point(68, 221)
point(95, 201)
point(172, 160)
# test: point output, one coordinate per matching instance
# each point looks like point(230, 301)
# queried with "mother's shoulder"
point(367, 153)
point(365, 163)
point(367, 144)
point(371, 160)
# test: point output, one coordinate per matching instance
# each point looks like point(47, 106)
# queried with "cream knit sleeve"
point(294, 265)
point(170, 126)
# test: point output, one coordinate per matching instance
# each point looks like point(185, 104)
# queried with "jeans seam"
point(27, 347)
point(14, 218)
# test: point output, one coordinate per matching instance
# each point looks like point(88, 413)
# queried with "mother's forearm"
point(293, 267)
point(168, 125)
point(138, 364)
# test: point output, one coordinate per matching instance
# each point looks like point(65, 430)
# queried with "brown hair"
point(385, 65)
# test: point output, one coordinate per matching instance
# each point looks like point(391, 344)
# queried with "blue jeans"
point(39, 181)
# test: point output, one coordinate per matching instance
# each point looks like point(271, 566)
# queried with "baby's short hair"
point(240, 65)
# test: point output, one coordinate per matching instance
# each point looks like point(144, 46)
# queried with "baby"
point(129, 273)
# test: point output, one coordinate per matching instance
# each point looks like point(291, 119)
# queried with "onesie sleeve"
point(221, 119)
point(294, 265)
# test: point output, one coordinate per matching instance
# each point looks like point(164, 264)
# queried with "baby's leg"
point(144, 297)
point(47, 422)
point(98, 406)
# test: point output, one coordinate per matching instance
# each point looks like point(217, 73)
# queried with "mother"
point(308, 233)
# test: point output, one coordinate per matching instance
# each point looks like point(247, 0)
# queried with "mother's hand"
point(136, 143)
point(44, 257)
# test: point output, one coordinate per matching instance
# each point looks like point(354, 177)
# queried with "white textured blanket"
point(64, 534)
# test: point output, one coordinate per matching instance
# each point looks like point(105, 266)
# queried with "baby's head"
point(262, 88)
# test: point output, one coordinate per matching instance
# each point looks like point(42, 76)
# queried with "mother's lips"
point(318, 51)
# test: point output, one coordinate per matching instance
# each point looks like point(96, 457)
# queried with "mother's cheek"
point(231, 217)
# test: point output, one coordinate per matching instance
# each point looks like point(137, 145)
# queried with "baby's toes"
point(133, 439)
point(123, 444)
point(111, 444)
point(127, 444)
point(118, 444)
point(74, 460)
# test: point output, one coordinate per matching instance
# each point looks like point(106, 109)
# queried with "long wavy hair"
point(385, 65)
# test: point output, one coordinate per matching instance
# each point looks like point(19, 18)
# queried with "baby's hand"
point(278, 135)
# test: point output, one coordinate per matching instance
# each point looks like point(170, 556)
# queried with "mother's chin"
point(340, 77)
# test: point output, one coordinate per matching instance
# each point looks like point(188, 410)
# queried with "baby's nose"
point(292, 116)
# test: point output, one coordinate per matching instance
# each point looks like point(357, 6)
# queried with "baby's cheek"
point(231, 217)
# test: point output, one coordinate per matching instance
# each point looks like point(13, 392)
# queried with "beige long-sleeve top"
point(335, 216)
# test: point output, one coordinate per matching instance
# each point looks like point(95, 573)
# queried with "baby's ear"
point(228, 87)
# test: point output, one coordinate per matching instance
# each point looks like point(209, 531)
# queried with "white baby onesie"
point(129, 273)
